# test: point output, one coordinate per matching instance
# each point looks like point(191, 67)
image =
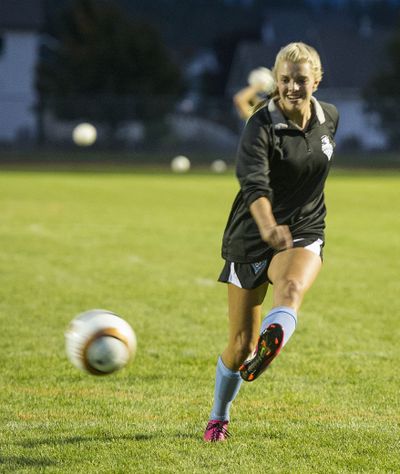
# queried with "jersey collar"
point(279, 120)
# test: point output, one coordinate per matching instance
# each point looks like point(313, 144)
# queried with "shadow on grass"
point(84, 439)
point(60, 441)
point(14, 462)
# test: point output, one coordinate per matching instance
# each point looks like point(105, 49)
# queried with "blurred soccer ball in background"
point(262, 79)
point(180, 164)
point(99, 342)
point(84, 134)
point(218, 166)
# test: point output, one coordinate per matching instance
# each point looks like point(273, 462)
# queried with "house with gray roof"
point(20, 23)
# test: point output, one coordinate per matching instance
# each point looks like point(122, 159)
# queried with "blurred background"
point(157, 78)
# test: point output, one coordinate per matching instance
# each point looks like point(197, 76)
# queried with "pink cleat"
point(216, 431)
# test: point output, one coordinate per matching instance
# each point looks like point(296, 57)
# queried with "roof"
point(349, 58)
point(21, 14)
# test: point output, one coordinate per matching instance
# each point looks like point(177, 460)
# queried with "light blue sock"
point(227, 385)
point(284, 316)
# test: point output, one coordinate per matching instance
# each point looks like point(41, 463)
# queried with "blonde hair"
point(298, 53)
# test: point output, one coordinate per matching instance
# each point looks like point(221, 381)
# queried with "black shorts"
point(252, 275)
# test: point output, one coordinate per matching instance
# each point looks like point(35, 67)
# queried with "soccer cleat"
point(216, 431)
point(268, 347)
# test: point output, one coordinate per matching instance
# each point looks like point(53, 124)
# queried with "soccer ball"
point(218, 166)
point(180, 164)
point(262, 79)
point(84, 134)
point(99, 342)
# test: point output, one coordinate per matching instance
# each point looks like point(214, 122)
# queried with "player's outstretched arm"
point(278, 236)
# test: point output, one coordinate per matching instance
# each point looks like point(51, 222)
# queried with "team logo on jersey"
point(327, 146)
point(258, 266)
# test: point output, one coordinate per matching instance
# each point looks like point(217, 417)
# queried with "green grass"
point(147, 247)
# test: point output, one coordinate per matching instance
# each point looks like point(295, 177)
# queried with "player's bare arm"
point(245, 100)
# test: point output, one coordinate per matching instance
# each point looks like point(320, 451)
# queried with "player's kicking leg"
point(292, 272)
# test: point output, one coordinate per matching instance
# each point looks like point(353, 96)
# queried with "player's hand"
point(279, 237)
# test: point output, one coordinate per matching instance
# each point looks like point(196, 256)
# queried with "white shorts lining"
point(315, 247)
point(233, 278)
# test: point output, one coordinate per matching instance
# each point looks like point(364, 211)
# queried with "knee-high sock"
point(227, 385)
point(284, 316)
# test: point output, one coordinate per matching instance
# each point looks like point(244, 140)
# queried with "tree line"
point(113, 67)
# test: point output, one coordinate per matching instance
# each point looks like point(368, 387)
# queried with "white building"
point(20, 21)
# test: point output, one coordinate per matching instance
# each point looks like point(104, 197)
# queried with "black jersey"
point(288, 166)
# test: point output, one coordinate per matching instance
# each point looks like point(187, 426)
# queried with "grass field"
point(147, 247)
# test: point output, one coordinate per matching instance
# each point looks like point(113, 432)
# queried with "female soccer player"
point(275, 231)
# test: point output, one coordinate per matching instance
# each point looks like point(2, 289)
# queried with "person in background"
point(275, 230)
point(260, 84)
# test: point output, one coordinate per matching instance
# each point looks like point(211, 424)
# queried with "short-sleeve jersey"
point(288, 166)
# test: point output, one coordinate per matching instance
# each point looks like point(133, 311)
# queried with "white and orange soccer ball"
point(100, 342)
